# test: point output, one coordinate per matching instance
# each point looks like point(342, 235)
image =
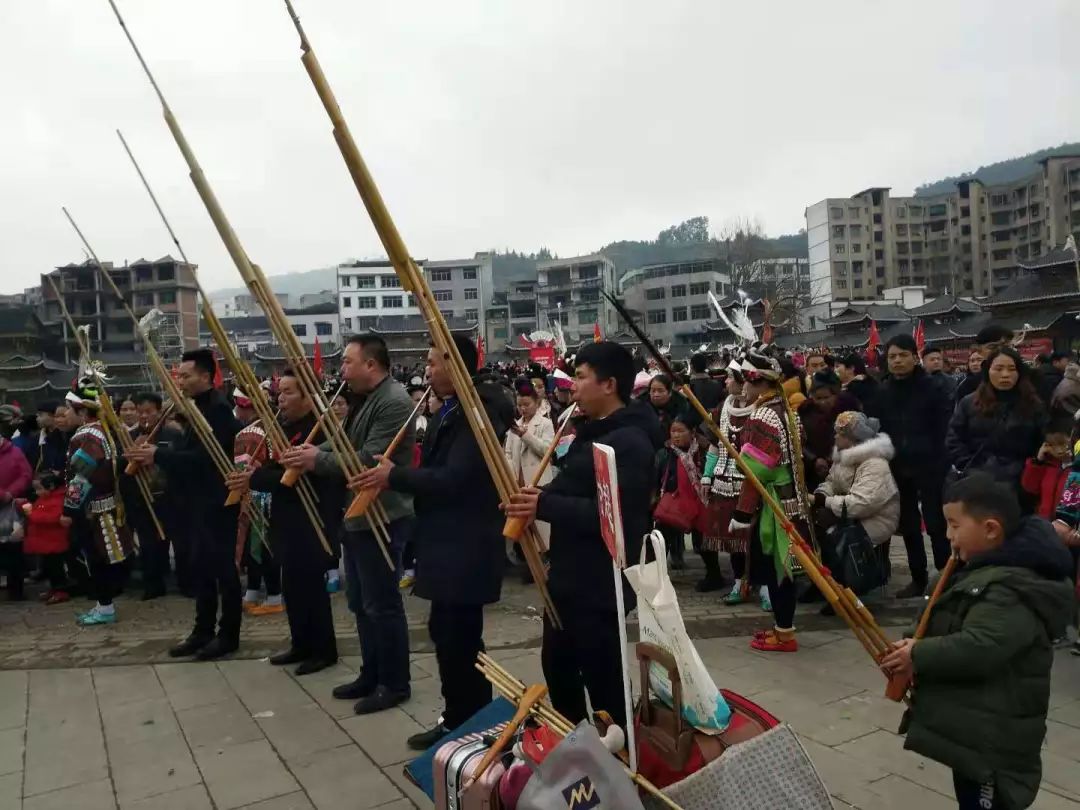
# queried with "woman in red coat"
point(47, 533)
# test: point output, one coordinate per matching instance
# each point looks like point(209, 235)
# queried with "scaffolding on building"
point(163, 331)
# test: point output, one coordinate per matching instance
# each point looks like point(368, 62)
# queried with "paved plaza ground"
point(100, 718)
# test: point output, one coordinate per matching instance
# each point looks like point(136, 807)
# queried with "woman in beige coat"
point(526, 443)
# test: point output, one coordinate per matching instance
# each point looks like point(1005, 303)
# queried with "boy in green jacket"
point(981, 674)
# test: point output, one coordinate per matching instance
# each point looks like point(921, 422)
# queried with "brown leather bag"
point(669, 749)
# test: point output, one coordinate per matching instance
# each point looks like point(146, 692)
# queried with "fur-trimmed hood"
point(880, 446)
point(1072, 372)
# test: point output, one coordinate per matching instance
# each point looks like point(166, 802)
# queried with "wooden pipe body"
point(533, 695)
point(514, 527)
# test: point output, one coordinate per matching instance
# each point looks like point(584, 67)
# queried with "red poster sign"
point(607, 502)
point(543, 356)
point(1030, 349)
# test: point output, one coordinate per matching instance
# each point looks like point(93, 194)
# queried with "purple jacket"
point(15, 472)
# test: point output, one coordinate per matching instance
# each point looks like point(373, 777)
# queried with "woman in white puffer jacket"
point(860, 480)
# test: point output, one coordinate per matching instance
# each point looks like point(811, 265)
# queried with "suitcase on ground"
point(454, 763)
point(669, 749)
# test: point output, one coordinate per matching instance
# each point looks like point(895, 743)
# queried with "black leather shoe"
point(425, 739)
point(917, 587)
point(189, 646)
point(289, 656)
point(315, 665)
point(380, 700)
point(218, 648)
point(360, 688)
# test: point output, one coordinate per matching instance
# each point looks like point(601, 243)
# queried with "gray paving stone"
point(382, 735)
point(412, 792)
point(262, 686)
point(193, 684)
point(343, 777)
point(898, 792)
point(243, 774)
point(1049, 801)
point(12, 745)
point(886, 751)
point(96, 795)
point(193, 797)
point(217, 725)
point(11, 790)
point(13, 686)
point(116, 686)
point(76, 742)
point(294, 801)
point(810, 720)
point(296, 731)
point(141, 721)
point(160, 765)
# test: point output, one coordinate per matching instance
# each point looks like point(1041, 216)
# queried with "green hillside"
point(1005, 171)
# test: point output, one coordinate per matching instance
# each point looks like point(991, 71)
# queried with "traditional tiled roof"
point(275, 353)
point(942, 305)
point(1058, 256)
point(1036, 286)
point(857, 313)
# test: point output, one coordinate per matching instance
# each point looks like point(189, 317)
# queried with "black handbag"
point(853, 558)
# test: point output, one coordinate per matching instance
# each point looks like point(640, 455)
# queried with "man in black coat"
point(585, 653)
point(213, 525)
point(295, 545)
point(709, 392)
point(458, 539)
point(915, 411)
point(1049, 374)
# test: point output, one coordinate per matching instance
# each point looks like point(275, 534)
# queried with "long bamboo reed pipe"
point(898, 685)
point(291, 474)
point(513, 527)
point(412, 280)
point(150, 435)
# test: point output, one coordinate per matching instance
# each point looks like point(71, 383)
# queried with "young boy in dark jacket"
point(982, 672)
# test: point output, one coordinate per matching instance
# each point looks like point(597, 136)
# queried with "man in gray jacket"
point(379, 406)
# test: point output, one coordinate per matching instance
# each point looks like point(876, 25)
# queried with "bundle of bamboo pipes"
point(123, 438)
point(151, 435)
point(242, 373)
point(413, 281)
point(255, 281)
point(514, 690)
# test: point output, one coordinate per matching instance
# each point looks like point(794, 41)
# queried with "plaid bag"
point(769, 771)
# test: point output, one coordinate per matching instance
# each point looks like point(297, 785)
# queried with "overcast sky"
point(494, 124)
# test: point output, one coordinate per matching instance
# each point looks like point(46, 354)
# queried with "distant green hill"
point(1005, 171)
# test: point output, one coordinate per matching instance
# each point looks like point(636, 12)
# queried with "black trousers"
point(216, 578)
point(781, 594)
point(178, 534)
point(458, 634)
point(971, 795)
point(267, 569)
point(585, 654)
point(153, 552)
point(11, 560)
point(53, 566)
point(926, 491)
point(307, 604)
point(106, 579)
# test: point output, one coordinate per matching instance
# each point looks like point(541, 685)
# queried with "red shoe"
point(771, 642)
point(57, 597)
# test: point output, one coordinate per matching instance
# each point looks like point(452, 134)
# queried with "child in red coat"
point(1044, 476)
point(47, 533)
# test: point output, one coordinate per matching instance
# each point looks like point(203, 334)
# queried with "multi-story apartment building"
point(367, 290)
point(672, 299)
point(166, 284)
point(570, 290)
point(967, 241)
point(521, 309)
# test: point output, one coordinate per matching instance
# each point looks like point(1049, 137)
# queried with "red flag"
point(596, 336)
point(218, 379)
point(872, 344)
point(316, 363)
point(766, 327)
point(479, 353)
point(524, 341)
point(920, 337)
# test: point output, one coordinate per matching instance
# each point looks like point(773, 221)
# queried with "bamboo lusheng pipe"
point(257, 457)
point(532, 695)
point(290, 476)
point(150, 435)
point(513, 527)
point(846, 605)
point(255, 281)
point(412, 280)
point(898, 685)
point(242, 372)
point(513, 690)
point(364, 497)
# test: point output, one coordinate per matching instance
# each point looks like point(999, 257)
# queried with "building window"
point(719, 288)
point(472, 314)
point(879, 254)
point(699, 312)
point(167, 297)
point(392, 302)
point(858, 283)
point(879, 236)
point(390, 282)
point(444, 295)
point(166, 273)
point(657, 316)
point(678, 291)
point(841, 284)
point(590, 296)
point(412, 300)
point(500, 333)
point(323, 328)
point(469, 274)
point(836, 212)
point(141, 300)
point(655, 294)
point(678, 314)
point(365, 282)
point(901, 213)
point(699, 288)
point(348, 324)
point(346, 301)
point(346, 281)
point(856, 248)
point(471, 294)
point(588, 271)
point(365, 302)
point(839, 268)
point(853, 213)
point(300, 329)
point(587, 317)
point(856, 231)
point(839, 247)
point(440, 275)
point(916, 210)
point(367, 322)
point(838, 231)
point(447, 314)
